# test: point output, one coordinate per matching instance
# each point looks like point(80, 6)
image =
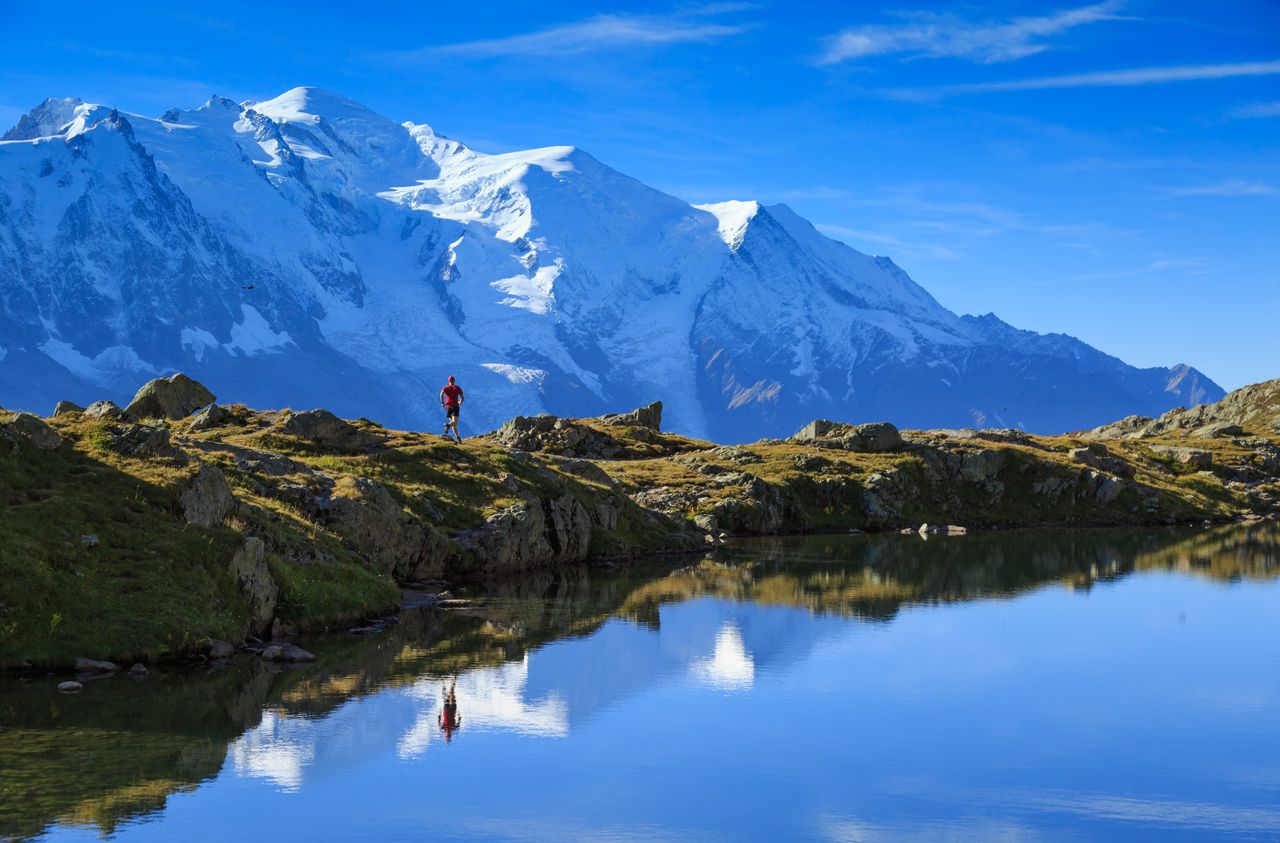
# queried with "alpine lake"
point(1019, 685)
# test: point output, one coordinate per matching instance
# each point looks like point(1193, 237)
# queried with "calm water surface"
point(1022, 686)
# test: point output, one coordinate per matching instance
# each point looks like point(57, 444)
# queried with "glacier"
point(306, 251)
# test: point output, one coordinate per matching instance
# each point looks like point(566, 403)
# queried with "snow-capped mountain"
point(306, 251)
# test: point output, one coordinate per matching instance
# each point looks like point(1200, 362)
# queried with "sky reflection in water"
point(1110, 689)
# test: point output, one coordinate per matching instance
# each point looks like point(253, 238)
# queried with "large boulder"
point(208, 499)
point(174, 397)
point(66, 408)
point(29, 430)
point(249, 567)
point(649, 416)
point(323, 428)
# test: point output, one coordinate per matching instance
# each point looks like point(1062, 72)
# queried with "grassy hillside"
point(138, 539)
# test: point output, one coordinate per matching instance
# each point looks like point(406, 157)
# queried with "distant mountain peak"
point(307, 249)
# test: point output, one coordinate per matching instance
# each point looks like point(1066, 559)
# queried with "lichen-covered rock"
point(103, 410)
point(174, 397)
point(28, 429)
point(249, 567)
point(323, 428)
point(208, 499)
point(66, 408)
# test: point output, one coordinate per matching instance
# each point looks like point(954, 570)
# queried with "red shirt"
point(452, 395)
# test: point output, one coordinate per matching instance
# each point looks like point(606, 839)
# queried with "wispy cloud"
point(857, 235)
point(935, 36)
point(1102, 78)
point(1227, 187)
point(602, 32)
point(1184, 265)
point(1256, 109)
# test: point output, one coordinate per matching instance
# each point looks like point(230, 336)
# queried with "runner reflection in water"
point(448, 718)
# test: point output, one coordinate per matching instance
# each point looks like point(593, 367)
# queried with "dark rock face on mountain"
point(306, 251)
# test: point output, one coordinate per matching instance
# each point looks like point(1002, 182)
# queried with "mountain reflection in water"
point(545, 657)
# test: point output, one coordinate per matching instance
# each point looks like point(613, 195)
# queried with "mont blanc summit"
point(307, 251)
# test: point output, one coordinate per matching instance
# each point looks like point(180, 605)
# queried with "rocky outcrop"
point(554, 435)
point(1098, 456)
point(866, 438)
point(26, 429)
point(174, 397)
point(66, 408)
point(140, 441)
point(323, 428)
point(249, 567)
point(387, 538)
point(531, 534)
point(1251, 408)
point(208, 499)
point(649, 416)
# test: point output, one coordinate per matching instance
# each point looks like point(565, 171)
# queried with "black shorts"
point(451, 413)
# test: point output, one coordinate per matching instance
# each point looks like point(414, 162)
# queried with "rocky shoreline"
point(143, 533)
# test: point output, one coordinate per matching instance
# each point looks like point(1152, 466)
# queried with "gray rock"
point(208, 499)
point(1219, 430)
point(530, 534)
point(208, 418)
point(323, 428)
point(66, 408)
point(1097, 456)
point(70, 687)
point(249, 567)
point(89, 540)
point(216, 649)
point(649, 416)
point(30, 430)
point(585, 469)
point(138, 670)
point(1185, 456)
point(84, 665)
point(143, 440)
point(103, 410)
point(174, 397)
point(387, 538)
point(285, 652)
point(873, 437)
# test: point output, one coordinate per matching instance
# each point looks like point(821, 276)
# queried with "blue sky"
point(1109, 169)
